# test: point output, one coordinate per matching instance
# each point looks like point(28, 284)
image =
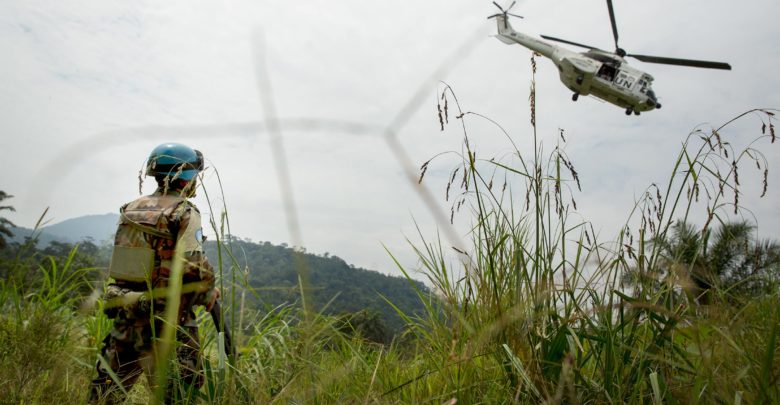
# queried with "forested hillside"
point(335, 286)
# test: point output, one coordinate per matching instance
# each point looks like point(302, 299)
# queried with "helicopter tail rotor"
point(505, 13)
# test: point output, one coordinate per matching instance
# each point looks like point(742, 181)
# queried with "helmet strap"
point(189, 187)
point(180, 186)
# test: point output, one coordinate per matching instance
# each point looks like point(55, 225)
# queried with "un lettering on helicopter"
point(603, 74)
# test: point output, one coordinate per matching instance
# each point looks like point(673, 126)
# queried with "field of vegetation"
point(536, 310)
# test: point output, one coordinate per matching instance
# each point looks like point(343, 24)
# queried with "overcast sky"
point(88, 88)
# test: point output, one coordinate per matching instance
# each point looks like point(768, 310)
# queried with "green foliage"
point(37, 348)
point(59, 265)
point(364, 324)
point(5, 224)
point(728, 262)
point(40, 336)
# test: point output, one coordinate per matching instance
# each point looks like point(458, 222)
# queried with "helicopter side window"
point(607, 72)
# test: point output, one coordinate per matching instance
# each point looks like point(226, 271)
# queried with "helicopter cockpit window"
point(651, 94)
point(645, 83)
point(642, 86)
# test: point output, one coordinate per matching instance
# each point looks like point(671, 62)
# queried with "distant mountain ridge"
point(97, 228)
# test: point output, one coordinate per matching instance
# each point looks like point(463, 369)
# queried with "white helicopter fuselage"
point(598, 73)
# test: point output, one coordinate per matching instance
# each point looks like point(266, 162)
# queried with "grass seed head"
point(464, 184)
point(446, 109)
point(441, 119)
point(766, 184)
point(710, 215)
point(717, 138)
point(423, 169)
point(709, 142)
point(449, 183)
point(569, 165)
point(528, 198)
point(532, 99)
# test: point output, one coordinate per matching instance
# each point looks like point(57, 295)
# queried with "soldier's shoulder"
point(147, 201)
point(190, 205)
point(185, 210)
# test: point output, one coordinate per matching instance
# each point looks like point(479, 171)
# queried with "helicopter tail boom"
point(508, 35)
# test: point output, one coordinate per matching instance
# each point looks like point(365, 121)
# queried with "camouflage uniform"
point(163, 222)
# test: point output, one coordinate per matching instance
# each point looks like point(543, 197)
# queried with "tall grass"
point(536, 310)
point(41, 339)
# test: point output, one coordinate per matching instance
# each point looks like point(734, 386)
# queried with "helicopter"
point(597, 72)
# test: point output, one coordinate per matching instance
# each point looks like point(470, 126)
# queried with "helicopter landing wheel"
point(575, 96)
point(658, 106)
point(629, 110)
point(636, 112)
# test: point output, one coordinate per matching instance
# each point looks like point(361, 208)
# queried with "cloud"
point(92, 87)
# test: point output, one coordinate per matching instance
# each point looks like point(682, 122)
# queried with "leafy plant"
point(5, 224)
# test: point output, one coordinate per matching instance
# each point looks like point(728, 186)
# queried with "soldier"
point(150, 229)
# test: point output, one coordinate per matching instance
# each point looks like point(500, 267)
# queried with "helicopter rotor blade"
point(514, 15)
point(511, 5)
point(614, 25)
point(568, 42)
point(682, 62)
point(499, 7)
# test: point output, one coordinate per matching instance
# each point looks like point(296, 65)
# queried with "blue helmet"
point(174, 160)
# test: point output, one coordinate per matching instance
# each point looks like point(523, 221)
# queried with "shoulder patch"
point(191, 238)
